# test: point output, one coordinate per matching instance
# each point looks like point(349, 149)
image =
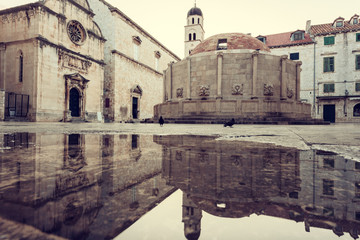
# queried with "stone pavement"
point(343, 139)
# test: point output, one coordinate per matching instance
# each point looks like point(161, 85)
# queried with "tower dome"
point(195, 11)
point(230, 41)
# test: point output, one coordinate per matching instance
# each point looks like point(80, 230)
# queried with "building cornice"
point(291, 45)
point(45, 42)
point(136, 62)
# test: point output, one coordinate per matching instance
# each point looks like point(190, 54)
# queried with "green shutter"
point(329, 65)
point(358, 37)
point(357, 62)
point(329, 40)
point(330, 87)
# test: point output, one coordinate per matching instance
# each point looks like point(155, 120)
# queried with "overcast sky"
point(165, 19)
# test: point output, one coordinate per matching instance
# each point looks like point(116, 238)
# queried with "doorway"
point(135, 107)
point(329, 113)
point(74, 104)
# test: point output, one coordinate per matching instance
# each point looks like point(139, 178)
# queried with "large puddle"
point(174, 187)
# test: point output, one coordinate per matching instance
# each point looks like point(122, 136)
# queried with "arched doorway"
point(357, 110)
point(74, 102)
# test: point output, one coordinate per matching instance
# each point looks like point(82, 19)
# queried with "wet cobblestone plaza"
point(143, 181)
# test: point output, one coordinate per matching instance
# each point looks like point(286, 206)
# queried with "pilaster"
point(255, 56)
point(220, 57)
point(188, 80)
point(283, 80)
point(298, 71)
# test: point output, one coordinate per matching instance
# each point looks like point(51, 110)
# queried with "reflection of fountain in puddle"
point(236, 179)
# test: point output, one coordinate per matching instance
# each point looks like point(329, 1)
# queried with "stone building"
point(78, 60)
point(233, 76)
point(135, 61)
point(51, 61)
point(331, 66)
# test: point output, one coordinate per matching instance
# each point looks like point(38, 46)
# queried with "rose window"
point(76, 32)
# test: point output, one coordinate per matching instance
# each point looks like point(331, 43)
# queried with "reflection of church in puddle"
point(70, 185)
point(232, 179)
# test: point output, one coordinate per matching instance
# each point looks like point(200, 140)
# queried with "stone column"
point(2, 66)
point(255, 56)
point(170, 81)
point(188, 80)
point(164, 86)
point(220, 57)
point(298, 71)
point(283, 78)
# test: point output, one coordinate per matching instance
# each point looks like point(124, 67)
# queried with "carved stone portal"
point(179, 92)
point(204, 90)
point(268, 89)
point(237, 89)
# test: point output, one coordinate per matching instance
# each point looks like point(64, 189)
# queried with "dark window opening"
point(198, 20)
point(358, 37)
point(357, 190)
point(357, 87)
point(298, 36)
point(339, 23)
point(294, 56)
point(262, 39)
point(329, 64)
point(134, 141)
point(328, 187)
point(21, 67)
point(329, 163)
point(107, 102)
point(189, 36)
point(357, 165)
point(357, 216)
point(294, 195)
point(222, 44)
point(194, 36)
point(357, 113)
point(193, 20)
point(357, 62)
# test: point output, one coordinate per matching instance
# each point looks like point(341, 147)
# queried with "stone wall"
point(235, 83)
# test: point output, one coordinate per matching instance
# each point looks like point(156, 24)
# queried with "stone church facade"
point(51, 61)
point(77, 60)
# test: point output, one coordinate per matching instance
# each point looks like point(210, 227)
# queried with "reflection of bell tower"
point(191, 218)
point(194, 30)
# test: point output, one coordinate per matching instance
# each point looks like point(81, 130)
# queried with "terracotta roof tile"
point(284, 39)
point(324, 29)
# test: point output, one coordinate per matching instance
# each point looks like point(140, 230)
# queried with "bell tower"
point(194, 29)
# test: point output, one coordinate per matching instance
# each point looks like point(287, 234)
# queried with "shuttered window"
point(329, 64)
point(329, 40)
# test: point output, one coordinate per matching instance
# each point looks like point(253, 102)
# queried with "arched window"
point(357, 110)
point(193, 20)
point(189, 36)
point(194, 36)
point(198, 20)
point(21, 66)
